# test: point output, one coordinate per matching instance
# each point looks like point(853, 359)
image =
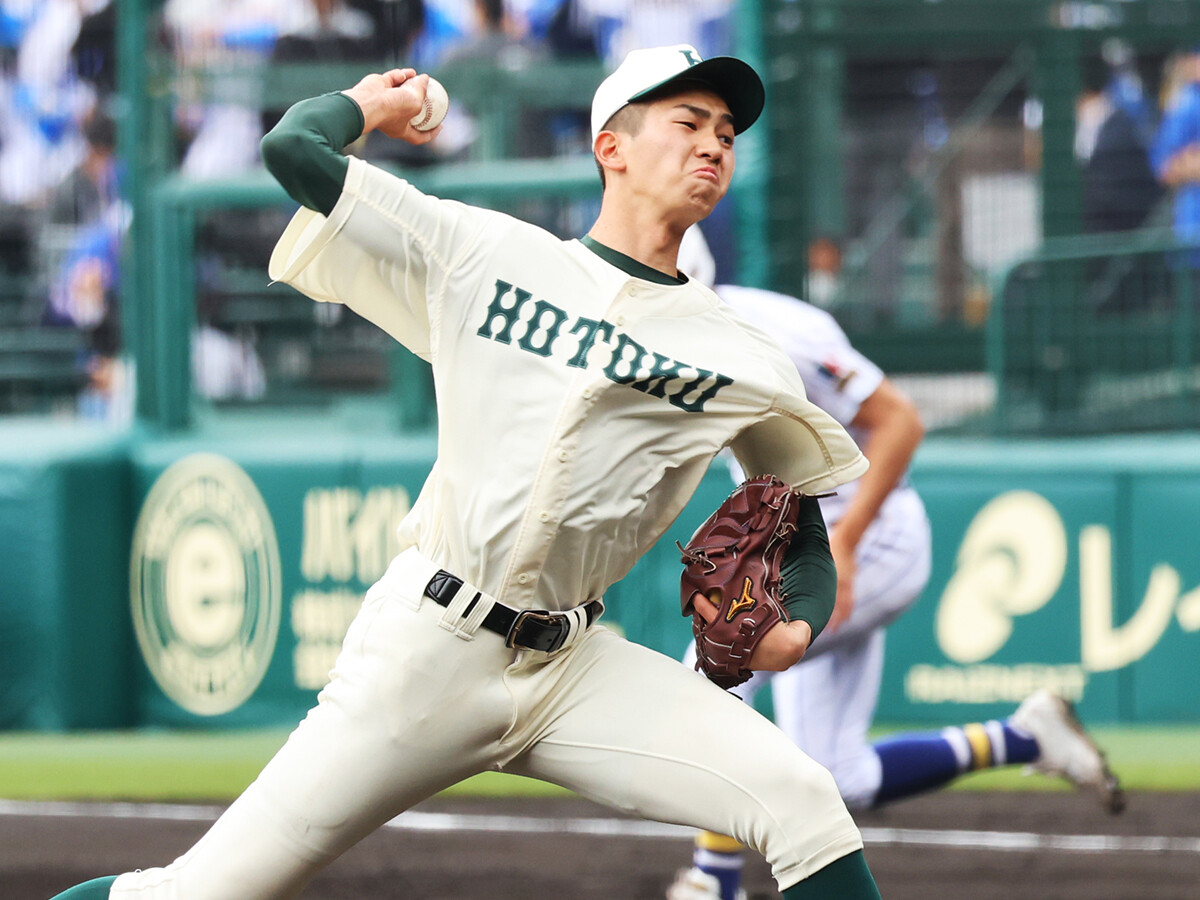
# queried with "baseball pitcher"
point(583, 388)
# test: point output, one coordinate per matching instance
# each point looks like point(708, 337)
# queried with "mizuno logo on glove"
point(745, 601)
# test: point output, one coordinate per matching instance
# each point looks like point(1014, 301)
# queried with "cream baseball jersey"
point(837, 378)
point(566, 375)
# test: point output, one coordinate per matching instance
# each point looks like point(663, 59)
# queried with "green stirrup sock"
point(847, 879)
point(96, 889)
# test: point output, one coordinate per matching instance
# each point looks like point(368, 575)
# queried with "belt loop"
point(475, 616)
point(577, 623)
point(465, 612)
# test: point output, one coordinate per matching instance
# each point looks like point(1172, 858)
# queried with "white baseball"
point(437, 101)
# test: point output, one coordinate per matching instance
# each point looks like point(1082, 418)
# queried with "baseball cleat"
point(1066, 749)
point(694, 884)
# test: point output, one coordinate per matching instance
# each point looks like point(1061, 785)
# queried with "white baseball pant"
point(413, 707)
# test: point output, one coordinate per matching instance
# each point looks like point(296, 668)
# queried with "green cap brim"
point(731, 79)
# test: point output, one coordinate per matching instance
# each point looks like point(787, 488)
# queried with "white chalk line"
point(416, 820)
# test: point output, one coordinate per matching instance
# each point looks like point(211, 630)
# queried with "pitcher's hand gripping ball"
point(734, 560)
point(433, 111)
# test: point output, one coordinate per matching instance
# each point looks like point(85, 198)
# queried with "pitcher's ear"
point(609, 151)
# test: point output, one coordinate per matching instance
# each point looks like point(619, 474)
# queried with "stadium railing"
point(1094, 334)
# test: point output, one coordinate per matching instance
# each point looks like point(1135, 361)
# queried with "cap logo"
point(691, 57)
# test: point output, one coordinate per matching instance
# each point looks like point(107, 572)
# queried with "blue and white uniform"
point(826, 704)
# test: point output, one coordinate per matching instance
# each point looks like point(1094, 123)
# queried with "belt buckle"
point(515, 639)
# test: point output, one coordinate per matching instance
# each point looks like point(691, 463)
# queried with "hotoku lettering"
point(682, 385)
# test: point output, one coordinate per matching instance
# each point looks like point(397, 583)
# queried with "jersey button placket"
point(627, 306)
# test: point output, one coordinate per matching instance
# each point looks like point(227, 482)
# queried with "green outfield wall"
point(1066, 564)
point(66, 652)
point(207, 580)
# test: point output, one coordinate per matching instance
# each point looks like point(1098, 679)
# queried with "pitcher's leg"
point(390, 729)
point(717, 859)
point(638, 731)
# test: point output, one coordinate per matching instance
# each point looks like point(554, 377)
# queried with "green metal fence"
point(177, 207)
point(934, 143)
point(1095, 334)
point(909, 152)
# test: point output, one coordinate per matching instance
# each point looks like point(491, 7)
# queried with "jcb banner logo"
point(1012, 560)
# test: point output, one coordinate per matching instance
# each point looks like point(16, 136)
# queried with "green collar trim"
point(628, 264)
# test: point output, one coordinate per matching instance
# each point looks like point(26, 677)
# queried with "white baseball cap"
point(643, 72)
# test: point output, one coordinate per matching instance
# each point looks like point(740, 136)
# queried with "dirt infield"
point(949, 845)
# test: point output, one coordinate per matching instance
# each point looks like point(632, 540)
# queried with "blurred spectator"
point(91, 192)
point(1124, 87)
point(494, 42)
point(45, 101)
point(225, 362)
point(95, 48)
point(447, 24)
point(327, 31)
point(219, 43)
point(1120, 192)
point(85, 220)
point(624, 25)
point(84, 295)
point(492, 38)
point(570, 32)
point(80, 243)
point(83, 292)
point(398, 24)
point(1176, 151)
point(452, 25)
point(108, 396)
point(823, 282)
point(1120, 189)
point(15, 16)
point(226, 366)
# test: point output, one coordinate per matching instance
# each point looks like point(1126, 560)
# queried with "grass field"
point(216, 766)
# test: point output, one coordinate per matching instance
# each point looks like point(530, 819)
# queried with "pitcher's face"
point(683, 155)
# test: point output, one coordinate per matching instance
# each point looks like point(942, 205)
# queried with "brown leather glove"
point(734, 559)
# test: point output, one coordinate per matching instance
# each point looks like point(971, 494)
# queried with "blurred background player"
point(880, 539)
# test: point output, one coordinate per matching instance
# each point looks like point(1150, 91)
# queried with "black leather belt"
point(529, 629)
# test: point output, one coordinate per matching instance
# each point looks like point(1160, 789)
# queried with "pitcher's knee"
point(802, 823)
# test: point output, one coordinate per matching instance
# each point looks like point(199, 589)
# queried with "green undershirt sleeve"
point(809, 576)
point(304, 150)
